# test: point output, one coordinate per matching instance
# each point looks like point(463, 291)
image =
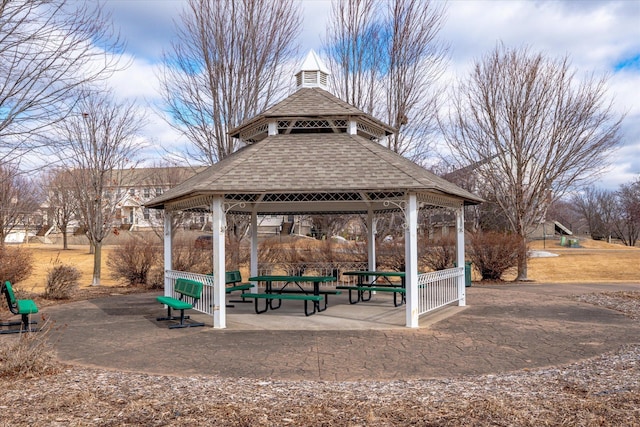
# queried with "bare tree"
point(226, 66)
point(19, 199)
point(48, 49)
point(627, 219)
point(166, 175)
point(354, 48)
point(63, 204)
point(386, 59)
point(98, 144)
point(597, 207)
point(548, 130)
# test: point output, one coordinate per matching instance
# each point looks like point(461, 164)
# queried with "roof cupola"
point(313, 73)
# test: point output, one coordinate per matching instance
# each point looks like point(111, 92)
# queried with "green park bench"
point(233, 281)
point(188, 289)
point(23, 307)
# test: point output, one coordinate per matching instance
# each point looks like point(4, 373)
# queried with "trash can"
point(467, 274)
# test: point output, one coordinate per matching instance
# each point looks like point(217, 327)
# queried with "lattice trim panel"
point(201, 203)
point(372, 131)
point(434, 200)
point(255, 133)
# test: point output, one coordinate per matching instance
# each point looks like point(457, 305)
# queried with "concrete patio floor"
point(503, 328)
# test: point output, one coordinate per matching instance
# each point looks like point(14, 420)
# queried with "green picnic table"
point(369, 282)
point(291, 289)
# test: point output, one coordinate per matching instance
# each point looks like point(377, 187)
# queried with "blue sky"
point(599, 36)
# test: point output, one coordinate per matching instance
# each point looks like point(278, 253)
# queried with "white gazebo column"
point(460, 254)
point(371, 241)
point(219, 225)
point(167, 251)
point(411, 260)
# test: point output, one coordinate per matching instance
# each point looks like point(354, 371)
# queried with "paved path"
point(504, 328)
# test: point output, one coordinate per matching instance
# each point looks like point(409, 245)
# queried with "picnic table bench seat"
point(188, 289)
point(233, 282)
point(360, 290)
point(280, 296)
point(23, 307)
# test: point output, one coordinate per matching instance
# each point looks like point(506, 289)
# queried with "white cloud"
point(597, 35)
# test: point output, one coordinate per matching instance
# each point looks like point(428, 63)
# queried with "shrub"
point(390, 255)
point(133, 261)
point(439, 254)
point(493, 254)
point(186, 257)
point(155, 278)
point(16, 264)
point(29, 356)
point(62, 280)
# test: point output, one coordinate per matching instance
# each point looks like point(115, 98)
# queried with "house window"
point(158, 214)
point(147, 192)
point(158, 191)
point(145, 213)
point(132, 191)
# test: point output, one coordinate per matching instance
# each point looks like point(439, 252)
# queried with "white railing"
point(439, 288)
point(435, 289)
point(205, 303)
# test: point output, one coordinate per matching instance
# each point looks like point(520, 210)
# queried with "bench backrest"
point(188, 287)
point(233, 277)
point(11, 297)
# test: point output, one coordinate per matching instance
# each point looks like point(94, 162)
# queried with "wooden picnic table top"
point(375, 273)
point(278, 278)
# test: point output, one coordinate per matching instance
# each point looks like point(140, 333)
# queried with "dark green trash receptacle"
point(467, 274)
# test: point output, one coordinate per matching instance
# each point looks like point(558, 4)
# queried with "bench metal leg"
point(184, 325)
point(24, 323)
point(272, 307)
point(306, 307)
point(266, 306)
point(362, 298)
point(169, 316)
point(358, 295)
point(402, 299)
point(181, 318)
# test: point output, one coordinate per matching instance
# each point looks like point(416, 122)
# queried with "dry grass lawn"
point(46, 257)
point(593, 262)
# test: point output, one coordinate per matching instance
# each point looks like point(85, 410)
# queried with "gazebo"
point(313, 153)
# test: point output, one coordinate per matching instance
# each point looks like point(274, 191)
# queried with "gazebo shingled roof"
point(304, 163)
point(313, 163)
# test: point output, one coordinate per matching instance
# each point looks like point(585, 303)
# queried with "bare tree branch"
point(226, 66)
point(386, 61)
point(19, 198)
point(98, 144)
point(545, 130)
point(48, 50)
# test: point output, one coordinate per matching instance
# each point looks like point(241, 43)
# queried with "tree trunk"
point(97, 264)
point(65, 239)
point(522, 260)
